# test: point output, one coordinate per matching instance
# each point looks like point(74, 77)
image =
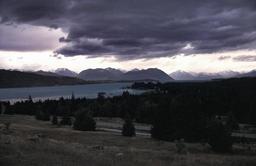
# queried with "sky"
point(190, 35)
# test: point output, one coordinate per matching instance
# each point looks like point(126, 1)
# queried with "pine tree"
point(128, 128)
point(55, 120)
point(219, 137)
point(66, 120)
point(84, 121)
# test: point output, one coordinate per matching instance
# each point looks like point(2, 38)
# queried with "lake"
point(55, 92)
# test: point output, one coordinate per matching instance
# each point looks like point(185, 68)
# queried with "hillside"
point(29, 142)
point(10, 79)
point(46, 73)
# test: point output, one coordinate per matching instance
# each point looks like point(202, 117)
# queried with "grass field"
point(29, 142)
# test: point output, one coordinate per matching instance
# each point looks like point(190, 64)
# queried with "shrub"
point(42, 115)
point(84, 122)
point(66, 120)
point(219, 138)
point(232, 123)
point(181, 146)
point(55, 120)
point(7, 125)
point(170, 126)
point(161, 131)
point(128, 128)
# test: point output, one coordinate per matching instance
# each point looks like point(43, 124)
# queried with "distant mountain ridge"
point(12, 78)
point(65, 72)
point(248, 74)
point(109, 74)
point(183, 75)
point(56, 73)
point(150, 74)
point(100, 74)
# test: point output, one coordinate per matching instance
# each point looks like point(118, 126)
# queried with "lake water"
point(55, 92)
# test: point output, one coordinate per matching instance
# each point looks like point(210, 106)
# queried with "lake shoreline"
point(57, 85)
point(55, 92)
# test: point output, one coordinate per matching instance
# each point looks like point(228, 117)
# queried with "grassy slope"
point(60, 146)
point(24, 79)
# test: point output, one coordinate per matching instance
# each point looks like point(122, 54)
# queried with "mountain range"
point(110, 74)
point(100, 74)
point(65, 72)
point(12, 78)
point(147, 74)
point(64, 76)
point(118, 75)
point(248, 74)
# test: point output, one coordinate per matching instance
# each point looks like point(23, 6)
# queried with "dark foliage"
point(219, 137)
point(142, 85)
point(176, 110)
point(175, 120)
point(55, 120)
point(66, 120)
point(42, 115)
point(84, 122)
point(231, 122)
point(128, 128)
point(215, 98)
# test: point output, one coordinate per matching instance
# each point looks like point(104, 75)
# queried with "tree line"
point(195, 112)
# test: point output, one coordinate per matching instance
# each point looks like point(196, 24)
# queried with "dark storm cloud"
point(131, 29)
point(33, 11)
point(245, 58)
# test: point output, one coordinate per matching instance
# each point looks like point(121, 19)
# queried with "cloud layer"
point(140, 28)
point(245, 58)
point(28, 38)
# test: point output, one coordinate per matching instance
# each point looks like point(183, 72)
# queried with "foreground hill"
point(29, 142)
point(25, 79)
point(46, 73)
